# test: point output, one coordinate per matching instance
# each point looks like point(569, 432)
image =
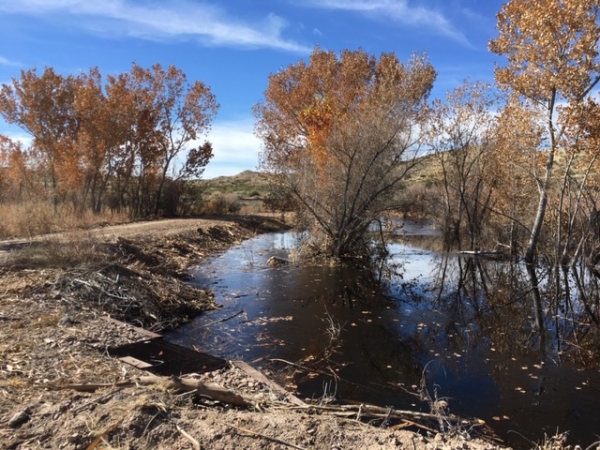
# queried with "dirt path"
point(156, 228)
point(55, 295)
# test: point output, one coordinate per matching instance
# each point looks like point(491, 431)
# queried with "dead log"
point(211, 390)
point(175, 384)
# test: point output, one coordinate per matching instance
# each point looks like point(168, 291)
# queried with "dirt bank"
point(60, 389)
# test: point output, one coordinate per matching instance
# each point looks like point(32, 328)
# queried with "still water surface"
point(469, 325)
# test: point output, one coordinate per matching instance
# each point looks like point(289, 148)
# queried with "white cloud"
point(397, 10)
point(7, 62)
point(234, 145)
point(162, 20)
point(16, 135)
point(235, 148)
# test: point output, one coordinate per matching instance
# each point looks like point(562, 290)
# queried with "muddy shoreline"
point(53, 296)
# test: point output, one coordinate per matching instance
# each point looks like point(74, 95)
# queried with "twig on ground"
point(194, 442)
point(264, 436)
point(102, 435)
point(406, 423)
point(96, 401)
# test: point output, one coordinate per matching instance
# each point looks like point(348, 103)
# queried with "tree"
point(43, 106)
point(552, 53)
point(517, 164)
point(462, 131)
point(340, 133)
point(124, 136)
point(183, 113)
point(581, 179)
point(14, 173)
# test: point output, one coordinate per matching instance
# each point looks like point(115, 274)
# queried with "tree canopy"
point(340, 133)
point(116, 141)
point(552, 52)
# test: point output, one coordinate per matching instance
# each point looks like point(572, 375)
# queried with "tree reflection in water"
point(533, 331)
point(514, 346)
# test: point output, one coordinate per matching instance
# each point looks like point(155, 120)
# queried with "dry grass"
point(252, 208)
point(219, 203)
point(36, 218)
point(559, 442)
point(68, 251)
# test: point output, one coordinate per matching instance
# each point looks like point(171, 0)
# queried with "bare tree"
point(552, 52)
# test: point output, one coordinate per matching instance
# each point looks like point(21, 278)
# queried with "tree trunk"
point(543, 187)
point(539, 220)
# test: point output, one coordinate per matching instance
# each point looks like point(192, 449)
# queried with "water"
point(470, 327)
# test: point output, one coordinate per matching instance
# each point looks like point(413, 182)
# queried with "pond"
point(470, 328)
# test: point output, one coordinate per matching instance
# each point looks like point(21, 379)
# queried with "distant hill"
point(428, 169)
point(248, 183)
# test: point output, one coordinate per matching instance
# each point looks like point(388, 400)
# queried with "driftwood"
point(176, 384)
point(260, 377)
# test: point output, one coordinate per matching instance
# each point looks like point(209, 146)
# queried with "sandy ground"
point(60, 389)
point(156, 228)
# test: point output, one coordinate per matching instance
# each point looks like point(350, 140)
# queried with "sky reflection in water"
point(469, 322)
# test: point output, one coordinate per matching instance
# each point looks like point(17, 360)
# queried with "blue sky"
point(234, 45)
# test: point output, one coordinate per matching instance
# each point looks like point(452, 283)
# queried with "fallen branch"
point(179, 385)
point(380, 412)
point(298, 366)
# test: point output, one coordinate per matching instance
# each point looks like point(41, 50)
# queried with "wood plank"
point(135, 362)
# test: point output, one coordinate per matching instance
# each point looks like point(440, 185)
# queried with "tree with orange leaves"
point(183, 113)
point(89, 138)
point(43, 106)
point(340, 132)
